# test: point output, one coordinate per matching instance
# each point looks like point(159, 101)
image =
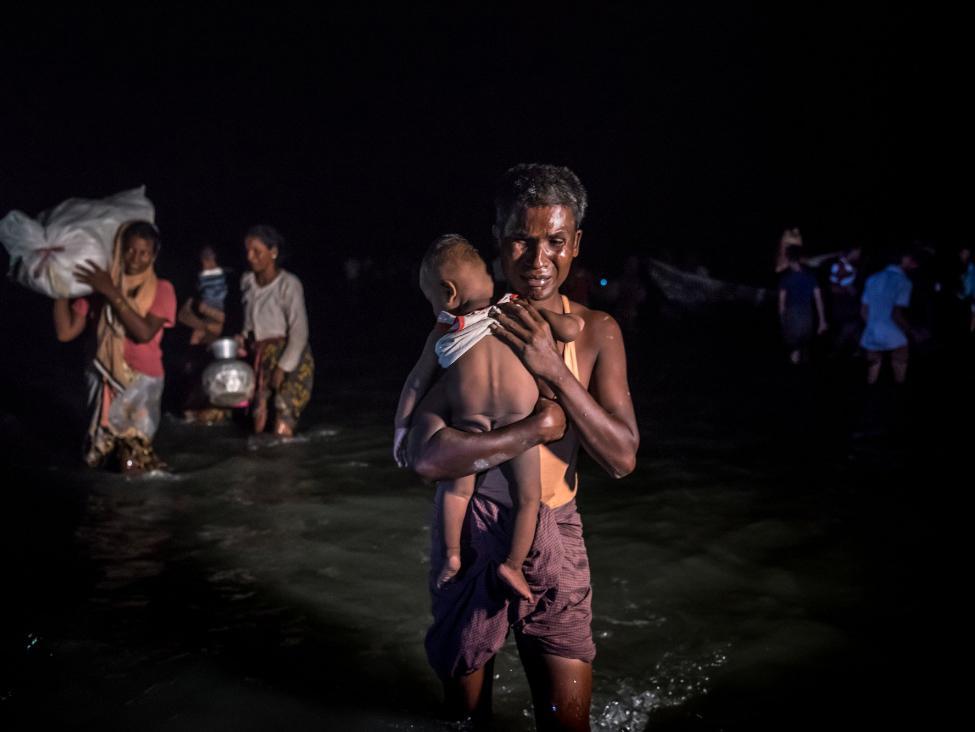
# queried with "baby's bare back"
point(488, 387)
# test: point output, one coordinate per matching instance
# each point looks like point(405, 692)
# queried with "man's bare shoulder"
point(600, 326)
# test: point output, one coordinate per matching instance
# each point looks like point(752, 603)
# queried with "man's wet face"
point(138, 254)
point(537, 246)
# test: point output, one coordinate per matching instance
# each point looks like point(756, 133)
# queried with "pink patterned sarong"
point(472, 614)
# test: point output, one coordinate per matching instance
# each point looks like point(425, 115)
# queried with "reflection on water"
point(267, 582)
point(293, 551)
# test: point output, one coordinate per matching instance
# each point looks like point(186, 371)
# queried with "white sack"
point(45, 252)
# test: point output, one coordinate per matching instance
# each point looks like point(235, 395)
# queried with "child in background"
point(486, 386)
point(205, 313)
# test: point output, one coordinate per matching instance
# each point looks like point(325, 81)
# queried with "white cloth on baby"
point(465, 331)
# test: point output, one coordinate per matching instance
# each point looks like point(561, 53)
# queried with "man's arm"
point(603, 416)
point(437, 451)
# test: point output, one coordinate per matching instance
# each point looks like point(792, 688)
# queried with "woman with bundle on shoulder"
point(128, 311)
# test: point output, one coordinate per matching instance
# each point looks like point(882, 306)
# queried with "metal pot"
point(223, 348)
point(229, 382)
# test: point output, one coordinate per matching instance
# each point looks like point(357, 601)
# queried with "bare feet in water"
point(283, 429)
point(450, 568)
point(515, 579)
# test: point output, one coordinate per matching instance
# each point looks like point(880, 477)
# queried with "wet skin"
point(138, 256)
point(537, 247)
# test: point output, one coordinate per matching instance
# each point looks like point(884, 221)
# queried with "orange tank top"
point(557, 460)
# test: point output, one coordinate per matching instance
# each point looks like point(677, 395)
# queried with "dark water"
point(759, 570)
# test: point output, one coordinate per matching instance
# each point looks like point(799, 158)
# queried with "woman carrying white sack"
point(45, 251)
point(129, 310)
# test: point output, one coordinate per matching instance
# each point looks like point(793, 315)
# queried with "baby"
point(211, 295)
point(486, 387)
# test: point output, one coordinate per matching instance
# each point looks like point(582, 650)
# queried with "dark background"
point(699, 131)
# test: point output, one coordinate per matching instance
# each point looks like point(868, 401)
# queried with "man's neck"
point(553, 303)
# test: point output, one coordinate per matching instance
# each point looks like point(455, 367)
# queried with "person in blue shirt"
point(205, 313)
point(886, 297)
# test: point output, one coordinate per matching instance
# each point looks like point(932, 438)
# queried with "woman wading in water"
point(276, 333)
point(128, 312)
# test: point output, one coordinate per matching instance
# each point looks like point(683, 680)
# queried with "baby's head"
point(453, 276)
point(208, 257)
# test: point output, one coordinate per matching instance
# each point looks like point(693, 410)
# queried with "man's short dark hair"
point(143, 230)
point(529, 185)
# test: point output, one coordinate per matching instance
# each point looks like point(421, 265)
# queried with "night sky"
point(700, 132)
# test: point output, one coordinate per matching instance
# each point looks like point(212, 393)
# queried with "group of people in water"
point(504, 393)
point(876, 316)
point(130, 307)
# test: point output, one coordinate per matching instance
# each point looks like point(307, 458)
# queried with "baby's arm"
point(417, 384)
point(566, 327)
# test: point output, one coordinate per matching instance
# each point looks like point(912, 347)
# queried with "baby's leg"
point(456, 496)
point(526, 494)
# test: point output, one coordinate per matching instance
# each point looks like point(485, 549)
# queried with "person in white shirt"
point(276, 333)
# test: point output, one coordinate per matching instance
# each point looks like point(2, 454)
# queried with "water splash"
point(673, 682)
point(265, 441)
point(160, 476)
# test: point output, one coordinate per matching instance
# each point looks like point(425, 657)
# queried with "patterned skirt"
point(123, 422)
point(294, 394)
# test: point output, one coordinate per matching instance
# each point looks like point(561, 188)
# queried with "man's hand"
point(551, 420)
point(530, 337)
